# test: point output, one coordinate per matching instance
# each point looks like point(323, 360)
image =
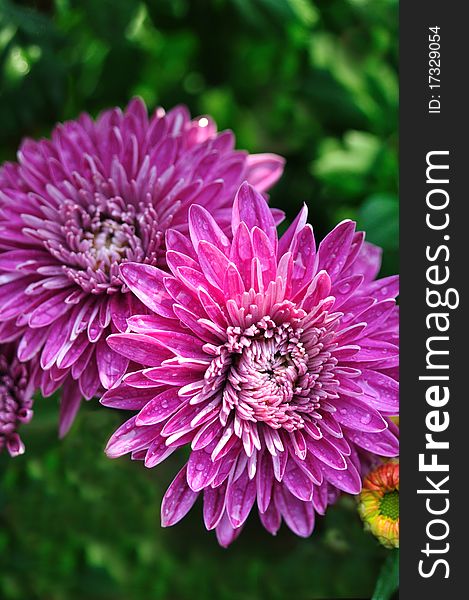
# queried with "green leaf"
point(379, 217)
point(388, 580)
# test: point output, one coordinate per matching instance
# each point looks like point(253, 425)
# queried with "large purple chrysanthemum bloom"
point(275, 362)
point(98, 194)
point(17, 383)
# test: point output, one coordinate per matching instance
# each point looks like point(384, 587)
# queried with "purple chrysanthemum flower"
point(275, 362)
point(98, 194)
point(16, 398)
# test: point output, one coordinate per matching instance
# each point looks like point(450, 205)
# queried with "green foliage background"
point(315, 81)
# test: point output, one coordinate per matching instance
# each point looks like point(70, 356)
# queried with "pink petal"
point(47, 312)
point(125, 397)
point(368, 262)
point(201, 470)
point(196, 282)
point(264, 251)
point(15, 445)
point(285, 243)
point(383, 443)
point(352, 412)
point(175, 240)
point(279, 463)
point(383, 390)
point(196, 325)
point(206, 434)
point(376, 315)
point(31, 343)
point(121, 309)
point(213, 263)
point(146, 282)
point(376, 354)
point(140, 348)
point(251, 208)
point(182, 344)
point(318, 290)
point(271, 518)
point(70, 401)
point(157, 452)
point(335, 247)
point(242, 253)
point(182, 295)
point(159, 408)
point(344, 289)
point(129, 438)
point(263, 170)
point(178, 500)
point(240, 498)
point(326, 453)
point(304, 258)
point(89, 381)
point(111, 366)
point(203, 227)
point(388, 287)
point(311, 466)
point(233, 285)
point(179, 375)
point(297, 482)
point(298, 515)
point(226, 534)
point(175, 260)
point(214, 505)
point(348, 480)
point(264, 481)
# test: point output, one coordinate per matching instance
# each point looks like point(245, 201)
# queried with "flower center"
point(389, 505)
point(99, 235)
point(108, 242)
point(273, 373)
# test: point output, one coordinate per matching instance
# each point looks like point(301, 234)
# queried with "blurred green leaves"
point(314, 81)
point(76, 525)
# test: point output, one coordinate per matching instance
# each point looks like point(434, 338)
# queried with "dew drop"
point(365, 419)
point(345, 288)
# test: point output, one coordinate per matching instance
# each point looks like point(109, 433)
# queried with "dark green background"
point(313, 81)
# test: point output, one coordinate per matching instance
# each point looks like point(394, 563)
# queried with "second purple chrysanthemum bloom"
point(274, 361)
point(75, 207)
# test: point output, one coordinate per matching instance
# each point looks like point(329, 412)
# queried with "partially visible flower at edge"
point(274, 361)
point(379, 503)
point(17, 385)
point(97, 194)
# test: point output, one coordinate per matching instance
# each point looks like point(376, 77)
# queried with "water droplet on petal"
point(345, 288)
point(365, 419)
